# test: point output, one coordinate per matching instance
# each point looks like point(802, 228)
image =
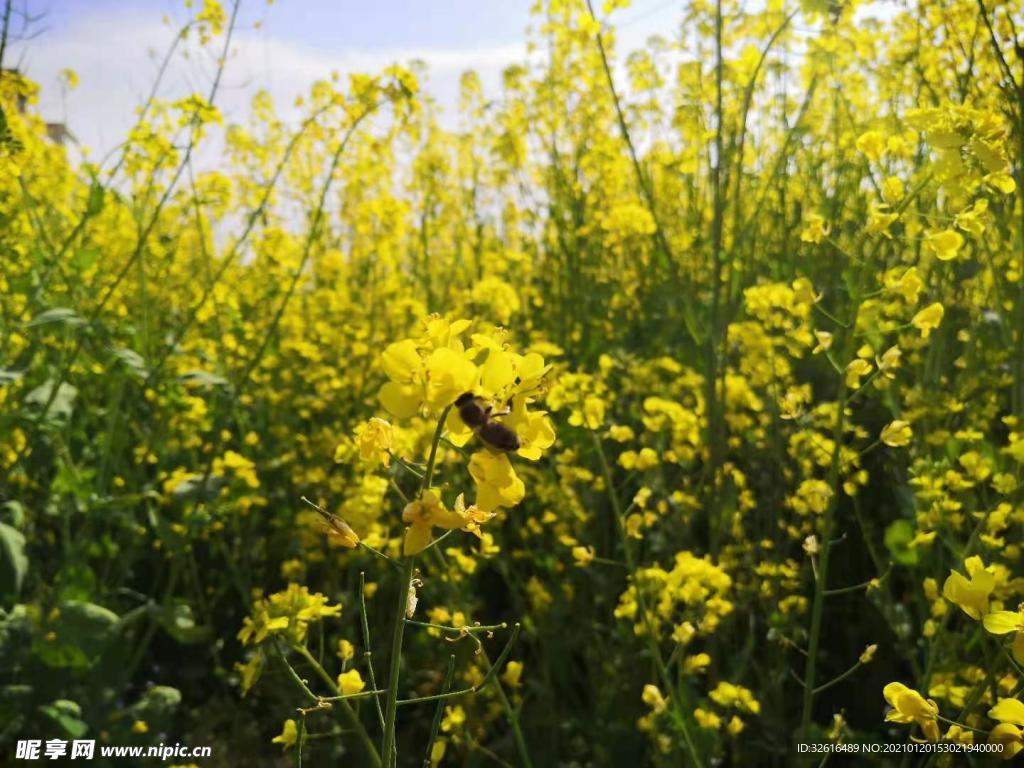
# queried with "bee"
point(479, 416)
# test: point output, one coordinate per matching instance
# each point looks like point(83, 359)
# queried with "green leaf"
point(63, 403)
point(156, 707)
point(86, 257)
point(194, 488)
point(57, 315)
point(133, 361)
point(68, 715)
point(96, 195)
point(13, 561)
point(14, 510)
point(180, 623)
point(897, 540)
point(75, 581)
point(204, 377)
point(81, 631)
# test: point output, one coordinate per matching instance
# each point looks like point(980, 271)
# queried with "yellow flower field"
point(666, 408)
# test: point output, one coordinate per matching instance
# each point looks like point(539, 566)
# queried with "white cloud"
point(117, 56)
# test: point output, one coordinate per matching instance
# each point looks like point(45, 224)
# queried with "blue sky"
point(113, 45)
point(329, 24)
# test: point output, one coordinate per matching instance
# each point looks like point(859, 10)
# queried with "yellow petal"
point(1008, 711)
point(401, 360)
point(891, 691)
point(449, 374)
point(1010, 737)
point(497, 372)
point(1018, 648)
point(350, 682)
point(1001, 622)
point(401, 400)
point(417, 537)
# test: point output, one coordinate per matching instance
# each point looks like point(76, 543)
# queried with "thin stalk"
point(388, 749)
point(368, 652)
point(346, 707)
point(652, 641)
point(488, 678)
point(512, 715)
point(5, 30)
point(711, 372)
point(817, 610)
point(643, 182)
point(435, 725)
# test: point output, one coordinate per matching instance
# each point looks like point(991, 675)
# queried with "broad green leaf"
point(133, 361)
point(13, 560)
point(897, 540)
point(180, 623)
point(204, 377)
point(81, 631)
point(68, 715)
point(62, 405)
point(57, 315)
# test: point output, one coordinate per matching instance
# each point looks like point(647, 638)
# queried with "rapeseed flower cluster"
point(676, 394)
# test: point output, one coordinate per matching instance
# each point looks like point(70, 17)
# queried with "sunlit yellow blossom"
point(350, 682)
point(346, 650)
point(945, 244)
point(454, 718)
point(889, 361)
point(583, 556)
point(429, 511)
point(707, 719)
point(374, 439)
point(896, 434)
point(287, 613)
point(289, 735)
point(1009, 732)
point(908, 285)
point(971, 219)
point(971, 593)
point(909, 706)
point(824, 341)
point(855, 370)
point(815, 229)
point(928, 319)
point(871, 144)
point(425, 378)
point(892, 189)
point(497, 484)
point(513, 674)
point(653, 698)
point(1004, 622)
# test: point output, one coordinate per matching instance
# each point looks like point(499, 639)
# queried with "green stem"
point(820, 591)
point(388, 749)
point(435, 725)
point(367, 648)
point(652, 640)
point(840, 678)
point(512, 715)
point(346, 707)
point(395, 662)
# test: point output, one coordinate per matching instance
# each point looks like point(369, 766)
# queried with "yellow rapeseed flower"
point(350, 682)
point(289, 735)
point(1009, 732)
point(971, 593)
point(909, 706)
point(928, 319)
point(1004, 622)
point(896, 434)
